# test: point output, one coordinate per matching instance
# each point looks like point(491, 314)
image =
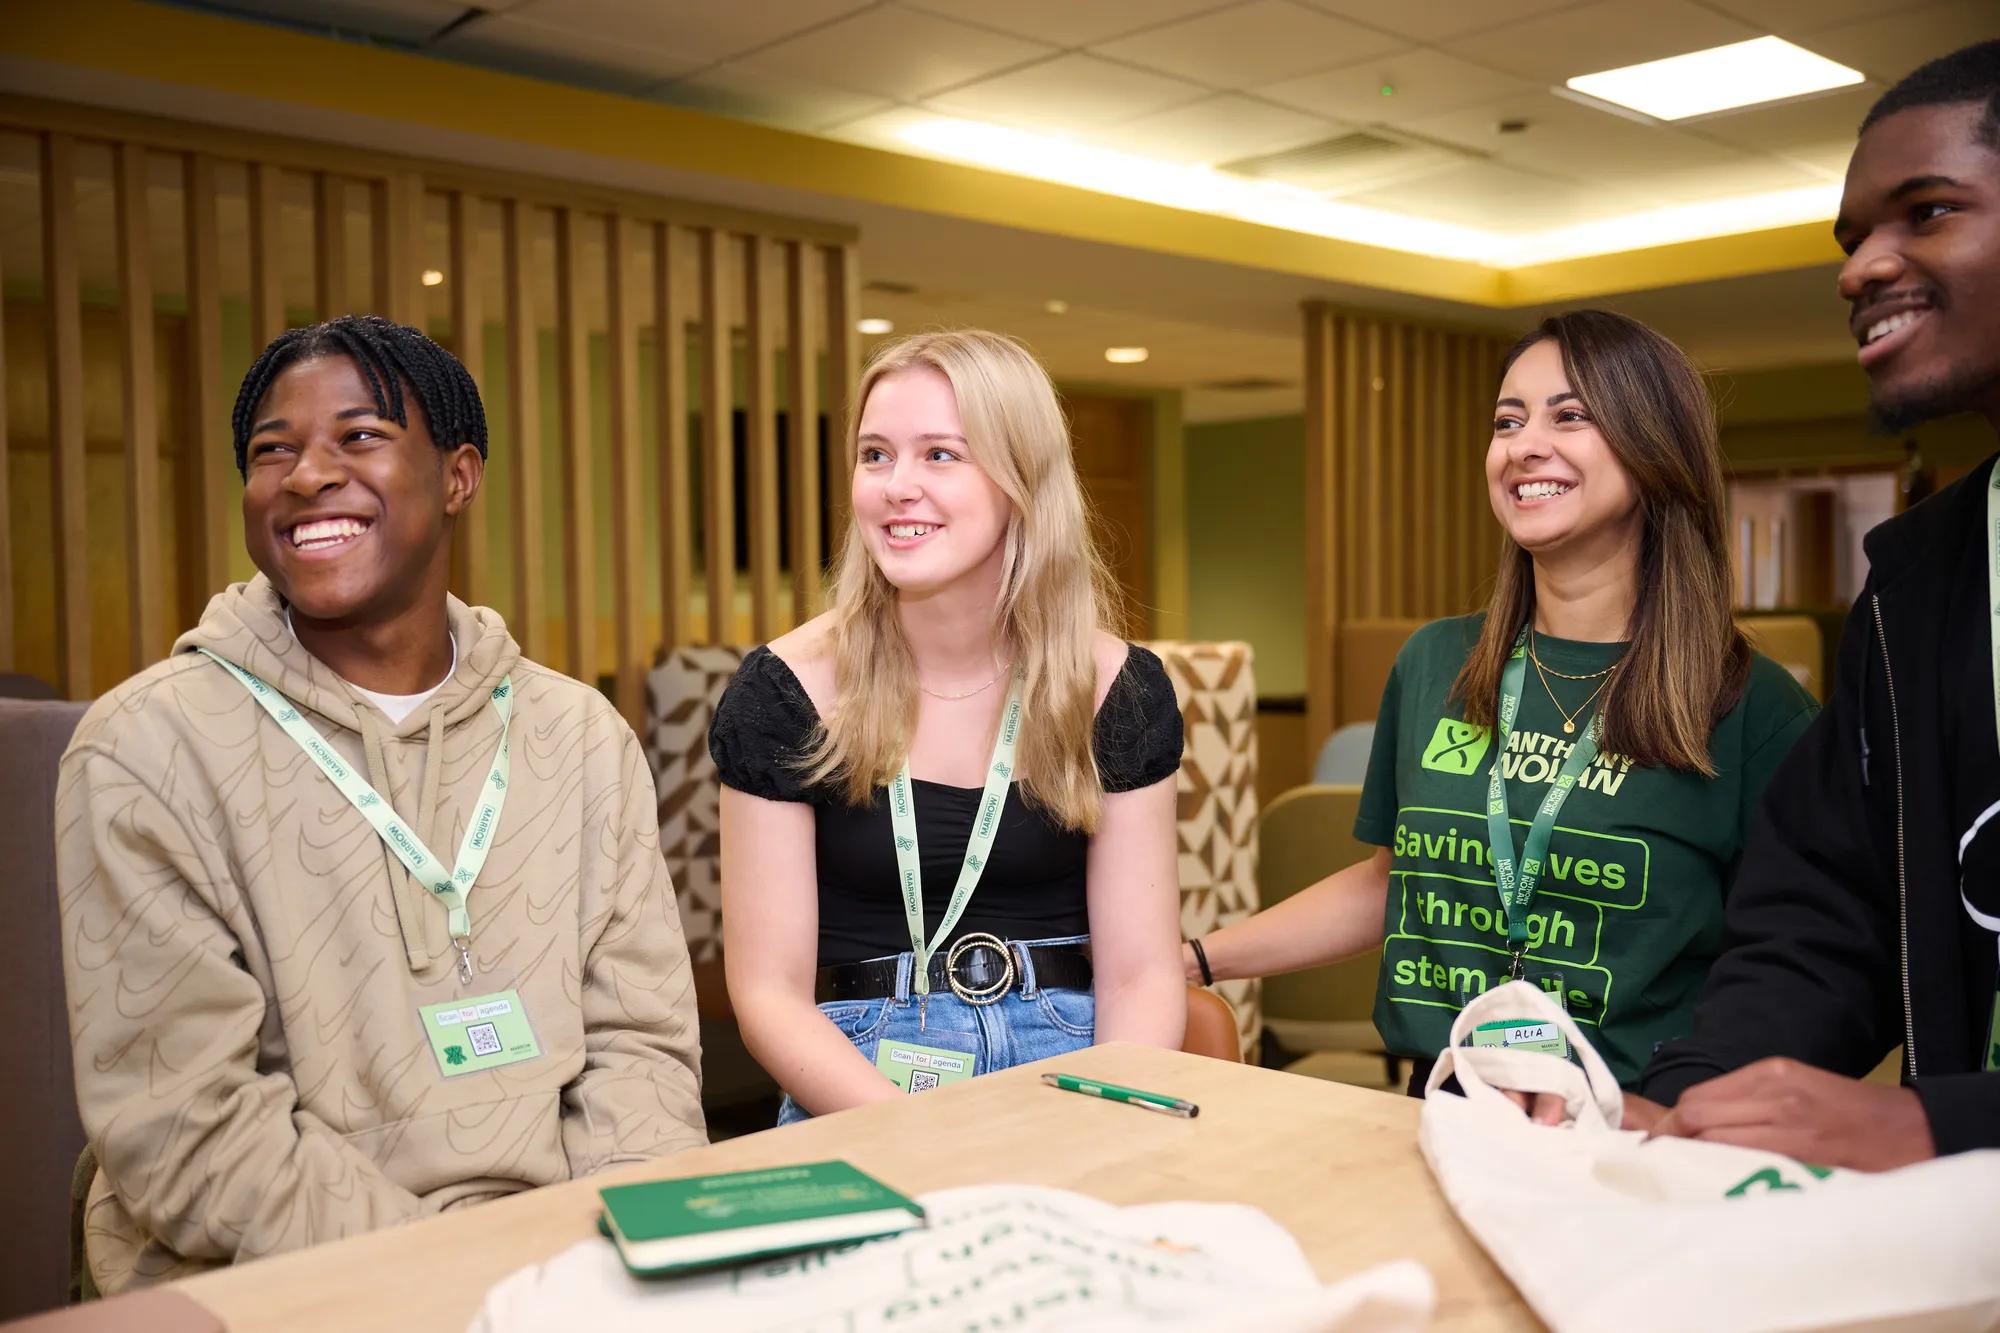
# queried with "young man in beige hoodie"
point(364, 914)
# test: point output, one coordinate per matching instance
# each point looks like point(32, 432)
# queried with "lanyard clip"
point(1515, 966)
point(464, 943)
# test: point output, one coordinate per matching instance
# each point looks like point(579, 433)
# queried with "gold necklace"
point(1569, 718)
point(1539, 666)
point(969, 693)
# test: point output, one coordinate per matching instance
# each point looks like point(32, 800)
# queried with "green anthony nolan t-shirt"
point(1628, 918)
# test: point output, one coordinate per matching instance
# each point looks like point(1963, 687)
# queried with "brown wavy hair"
point(1688, 662)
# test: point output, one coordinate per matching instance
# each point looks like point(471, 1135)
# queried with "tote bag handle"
point(1591, 1096)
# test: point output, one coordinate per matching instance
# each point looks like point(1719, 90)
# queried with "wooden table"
point(1338, 1167)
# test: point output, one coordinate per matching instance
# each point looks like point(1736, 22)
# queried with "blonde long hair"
point(1688, 662)
point(1054, 592)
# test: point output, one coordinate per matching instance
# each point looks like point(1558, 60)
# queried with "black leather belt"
point(979, 969)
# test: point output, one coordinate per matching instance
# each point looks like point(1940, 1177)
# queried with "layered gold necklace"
point(1569, 716)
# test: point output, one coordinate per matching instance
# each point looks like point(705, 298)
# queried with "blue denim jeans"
point(1028, 1023)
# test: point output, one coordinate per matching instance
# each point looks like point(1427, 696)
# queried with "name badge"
point(915, 1068)
point(1544, 1037)
point(484, 1032)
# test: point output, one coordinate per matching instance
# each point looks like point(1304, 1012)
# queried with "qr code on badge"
point(922, 1080)
point(485, 1040)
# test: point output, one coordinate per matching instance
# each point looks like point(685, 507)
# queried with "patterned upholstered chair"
point(1218, 800)
point(681, 694)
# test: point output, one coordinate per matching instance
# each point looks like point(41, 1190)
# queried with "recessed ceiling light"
point(433, 278)
point(873, 326)
point(1056, 307)
point(1763, 69)
point(1125, 356)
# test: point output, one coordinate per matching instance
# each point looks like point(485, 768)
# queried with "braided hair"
point(390, 355)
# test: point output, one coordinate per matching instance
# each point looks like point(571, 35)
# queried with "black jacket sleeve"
point(1964, 1110)
point(1811, 970)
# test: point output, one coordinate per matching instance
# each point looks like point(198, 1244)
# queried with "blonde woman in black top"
point(960, 725)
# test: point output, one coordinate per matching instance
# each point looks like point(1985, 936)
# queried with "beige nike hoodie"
point(245, 957)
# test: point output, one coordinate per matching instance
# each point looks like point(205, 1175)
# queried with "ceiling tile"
point(1427, 83)
point(1750, 174)
point(1499, 198)
point(1074, 93)
point(501, 41)
point(1434, 20)
point(1216, 129)
point(1831, 119)
point(1065, 22)
point(1566, 139)
point(701, 30)
point(1792, 18)
point(1888, 47)
point(1249, 44)
point(414, 21)
point(1606, 35)
point(900, 53)
point(783, 100)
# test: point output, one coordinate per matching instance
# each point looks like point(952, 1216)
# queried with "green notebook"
point(670, 1226)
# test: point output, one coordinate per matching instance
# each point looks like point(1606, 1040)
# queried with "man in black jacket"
point(1856, 917)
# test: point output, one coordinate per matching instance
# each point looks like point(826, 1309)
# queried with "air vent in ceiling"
point(888, 287)
point(1355, 161)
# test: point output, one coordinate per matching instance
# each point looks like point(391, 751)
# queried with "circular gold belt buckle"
point(979, 940)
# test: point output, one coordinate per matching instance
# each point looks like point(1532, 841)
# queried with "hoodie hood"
point(245, 624)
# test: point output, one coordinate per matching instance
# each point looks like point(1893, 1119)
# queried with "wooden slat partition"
point(802, 442)
point(627, 509)
point(399, 232)
point(524, 411)
point(64, 311)
point(7, 650)
point(765, 318)
point(718, 462)
point(579, 526)
point(1325, 601)
point(329, 244)
point(207, 467)
point(471, 535)
point(761, 441)
point(142, 410)
point(267, 302)
point(1398, 526)
point(843, 367)
point(676, 511)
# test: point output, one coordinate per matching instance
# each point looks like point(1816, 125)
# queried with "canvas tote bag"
point(1601, 1229)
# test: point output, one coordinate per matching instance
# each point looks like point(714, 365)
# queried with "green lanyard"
point(450, 887)
point(1518, 882)
point(985, 826)
point(1992, 923)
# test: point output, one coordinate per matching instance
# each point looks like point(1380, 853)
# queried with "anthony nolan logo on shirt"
point(1459, 748)
point(1456, 747)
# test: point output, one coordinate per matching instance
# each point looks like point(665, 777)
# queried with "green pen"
point(1111, 1092)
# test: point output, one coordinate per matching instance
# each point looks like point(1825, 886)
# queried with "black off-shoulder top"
point(1033, 886)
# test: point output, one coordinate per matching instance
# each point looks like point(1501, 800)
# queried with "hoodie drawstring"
point(415, 912)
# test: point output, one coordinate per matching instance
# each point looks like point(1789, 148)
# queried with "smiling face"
point(931, 518)
point(346, 512)
point(1920, 222)
point(1552, 478)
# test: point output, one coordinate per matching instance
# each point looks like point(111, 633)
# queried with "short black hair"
point(390, 355)
point(1970, 75)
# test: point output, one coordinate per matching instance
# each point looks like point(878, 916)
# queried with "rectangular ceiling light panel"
point(1765, 69)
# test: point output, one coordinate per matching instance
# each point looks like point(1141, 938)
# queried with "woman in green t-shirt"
point(1610, 641)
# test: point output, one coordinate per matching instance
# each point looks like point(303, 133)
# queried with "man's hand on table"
point(1803, 1113)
